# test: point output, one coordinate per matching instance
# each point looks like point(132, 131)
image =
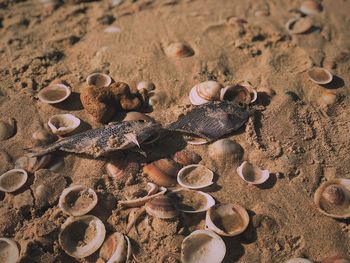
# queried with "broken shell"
point(162, 172)
point(191, 201)
point(242, 92)
point(299, 25)
point(54, 93)
point(310, 7)
point(77, 200)
point(32, 164)
point(179, 50)
point(115, 248)
point(336, 259)
point(332, 198)
point(252, 174)
point(161, 207)
point(9, 252)
point(224, 148)
point(227, 219)
point(145, 85)
point(205, 92)
point(298, 260)
point(62, 124)
point(136, 116)
point(7, 129)
point(13, 180)
point(320, 75)
point(202, 246)
point(99, 80)
point(195, 176)
point(186, 157)
point(81, 236)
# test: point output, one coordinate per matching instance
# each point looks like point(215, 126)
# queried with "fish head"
point(238, 109)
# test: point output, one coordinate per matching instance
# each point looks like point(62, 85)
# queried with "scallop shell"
point(224, 148)
point(161, 207)
point(54, 93)
point(179, 50)
point(252, 174)
point(32, 164)
point(205, 92)
point(186, 157)
point(77, 200)
point(299, 25)
point(99, 80)
point(298, 260)
point(9, 252)
point(82, 236)
point(13, 180)
point(227, 219)
point(320, 75)
point(195, 176)
point(62, 124)
point(192, 201)
point(7, 129)
point(136, 116)
point(242, 92)
point(162, 172)
point(202, 246)
point(145, 85)
point(116, 248)
point(336, 259)
point(332, 198)
point(310, 7)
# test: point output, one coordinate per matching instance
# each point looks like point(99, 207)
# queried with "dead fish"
point(212, 120)
point(114, 136)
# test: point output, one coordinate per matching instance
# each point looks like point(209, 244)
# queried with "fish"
point(98, 142)
point(212, 120)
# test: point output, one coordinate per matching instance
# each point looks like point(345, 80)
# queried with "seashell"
point(99, 80)
point(227, 219)
point(328, 97)
point(146, 85)
point(162, 172)
point(224, 148)
point(242, 92)
point(299, 25)
point(112, 29)
point(13, 180)
point(179, 50)
point(32, 164)
point(77, 200)
point(310, 7)
point(157, 98)
point(298, 260)
point(9, 252)
point(43, 136)
point(252, 174)
point(81, 236)
point(205, 92)
point(116, 248)
point(152, 193)
point(54, 93)
point(195, 176)
point(186, 157)
point(62, 124)
point(202, 246)
point(7, 129)
point(320, 75)
point(191, 201)
point(161, 207)
point(332, 198)
point(335, 259)
point(136, 116)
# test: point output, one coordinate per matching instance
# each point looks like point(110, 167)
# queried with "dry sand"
point(300, 140)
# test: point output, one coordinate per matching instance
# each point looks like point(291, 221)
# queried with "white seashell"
point(146, 85)
point(298, 260)
point(243, 92)
point(227, 219)
point(195, 176)
point(82, 236)
point(112, 29)
point(320, 75)
point(299, 25)
point(9, 252)
point(77, 200)
point(62, 124)
point(224, 148)
point(252, 174)
point(115, 248)
point(202, 246)
point(7, 129)
point(13, 180)
point(99, 80)
point(205, 92)
point(54, 93)
point(179, 50)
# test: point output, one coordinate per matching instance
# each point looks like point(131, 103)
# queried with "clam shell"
point(115, 248)
point(162, 172)
point(332, 198)
point(192, 201)
point(77, 200)
point(81, 236)
point(195, 176)
point(179, 50)
point(227, 219)
point(336, 259)
point(62, 124)
point(99, 80)
point(136, 116)
point(186, 157)
point(320, 75)
point(299, 25)
point(242, 92)
point(54, 93)
point(202, 246)
point(32, 164)
point(7, 129)
point(298, 260)
point(13, 180)
point(224, 148)
point(9, 252)
point(205, 92)
point(310, 7)
point(161, 207)
point(145, 85)
point(252, 174)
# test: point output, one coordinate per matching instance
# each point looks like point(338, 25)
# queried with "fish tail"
point(40, 152)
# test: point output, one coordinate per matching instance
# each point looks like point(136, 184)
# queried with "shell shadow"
point(234, 249)
point(249, 235)
point(336, 83)
point(271, 181)
point(264, 99)
point(73, 103)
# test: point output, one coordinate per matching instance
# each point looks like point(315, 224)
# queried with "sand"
point(297, 134)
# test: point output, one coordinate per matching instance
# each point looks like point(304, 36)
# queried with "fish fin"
point(139, 151)
point(132, 137)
